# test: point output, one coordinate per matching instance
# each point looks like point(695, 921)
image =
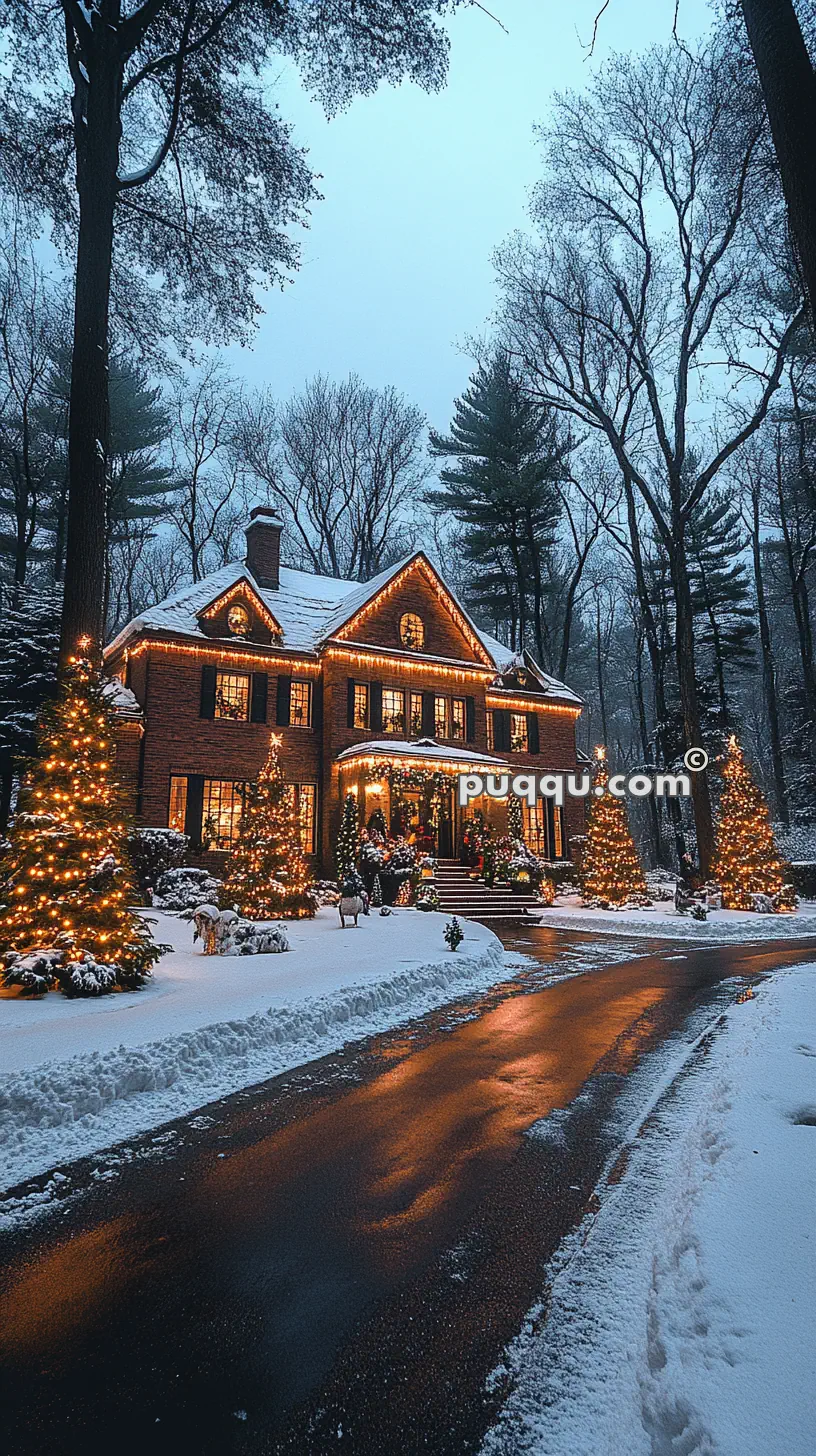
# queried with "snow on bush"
point(153, 852)
point(326, 892)
point(224, 932)
point(36, 972)
point(186, 888)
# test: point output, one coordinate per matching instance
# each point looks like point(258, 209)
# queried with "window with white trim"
point(518, 733)
point(300, 703)
point(222, 807)
point(393, 710)
point(232, 696)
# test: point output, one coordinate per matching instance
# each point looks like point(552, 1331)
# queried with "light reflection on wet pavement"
point(334, 1260)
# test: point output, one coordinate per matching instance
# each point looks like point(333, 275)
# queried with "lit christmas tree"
point(65, 882)
point(515, 818)
point(611, 872)
point(268, 875)
point(347, 848)
point(746, 860)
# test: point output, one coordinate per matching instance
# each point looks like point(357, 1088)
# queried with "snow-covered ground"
point(682, 1319)
point(80, 1075)
point(722, 925)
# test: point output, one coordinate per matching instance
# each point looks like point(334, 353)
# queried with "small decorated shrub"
point(546, 891)
point(427, 897)
point(454, 934)
point(184, 888)
point(154, 851)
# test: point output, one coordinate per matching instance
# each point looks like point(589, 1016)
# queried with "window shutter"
point(257, 705)
point(470, 719)
point(350, 703)
point(283, 701)
point(428, 715)
point(501, 730)
point(375, 707)
point(317, 703)
point(207, 708)
point(195, 808)
point(532, 733)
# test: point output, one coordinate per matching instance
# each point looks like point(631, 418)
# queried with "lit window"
point(300, 704)
point(307, 804)
point(416, 714)
point(458, 718)
point(393, 710)
point(238, 621)
point(490, 732)
point(178, 804)
point(441, 717)
point(412, 631)
point(518, 732)
point(221, 815)
point(535, 827)
point(232, 695)
point(361, 705)
point(558, 833)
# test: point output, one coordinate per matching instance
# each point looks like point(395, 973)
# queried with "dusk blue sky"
point(418, 190)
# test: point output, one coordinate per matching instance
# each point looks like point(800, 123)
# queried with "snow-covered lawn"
point(80, 1075)
point(683, 1320)
point(723, 925)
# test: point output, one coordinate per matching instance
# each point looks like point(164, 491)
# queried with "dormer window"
point(239, 621)
point(412, 631)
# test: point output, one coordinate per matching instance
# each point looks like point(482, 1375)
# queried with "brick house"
point(358, 680)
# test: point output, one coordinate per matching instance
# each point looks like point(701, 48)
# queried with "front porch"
point(411, 786)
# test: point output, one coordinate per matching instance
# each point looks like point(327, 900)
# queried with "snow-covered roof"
point(310, 609)
point(420, 748)
point(124, 703)
point(302, 605)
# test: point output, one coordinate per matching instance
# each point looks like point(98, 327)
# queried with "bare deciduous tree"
point(647, 307)
point(345, 463)
point(205, 412)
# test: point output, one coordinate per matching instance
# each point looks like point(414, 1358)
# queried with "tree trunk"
point(689, 702)
point(646, 749)
point(599, 667)
point(88, 410)
point(788, 84)
point(661, 710)
point(768, 667)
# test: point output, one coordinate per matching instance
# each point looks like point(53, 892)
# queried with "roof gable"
point(373, 613)
point(263, 625)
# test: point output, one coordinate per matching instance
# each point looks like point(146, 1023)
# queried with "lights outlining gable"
point(419, 563)
point(243, 592)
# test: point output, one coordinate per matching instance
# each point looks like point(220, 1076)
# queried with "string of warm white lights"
point(420, 563)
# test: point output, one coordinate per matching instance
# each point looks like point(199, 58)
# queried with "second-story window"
point(393, 710)
point(457, 730)
point(232, 696)
point(361, 705)
point(518, 733)
point(300, 703)
point(441, 717)
point(416, 715)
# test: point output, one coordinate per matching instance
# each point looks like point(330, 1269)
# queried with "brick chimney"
point(263, 535)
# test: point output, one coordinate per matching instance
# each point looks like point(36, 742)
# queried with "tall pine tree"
point(29, 644)
point(65, 883)
point(504, 491)
point(268, 874)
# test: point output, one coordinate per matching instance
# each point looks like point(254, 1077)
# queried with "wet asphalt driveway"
point(334, 1260)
